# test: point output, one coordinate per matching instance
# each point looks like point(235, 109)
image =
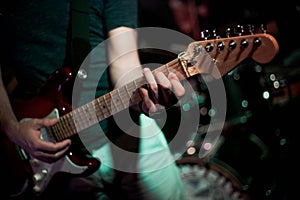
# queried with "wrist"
point(9, 127)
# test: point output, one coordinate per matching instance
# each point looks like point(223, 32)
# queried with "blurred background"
point(256, 155)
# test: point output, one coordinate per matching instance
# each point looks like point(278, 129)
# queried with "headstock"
point(227, 53)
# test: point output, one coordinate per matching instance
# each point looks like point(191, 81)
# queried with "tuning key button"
point(220, 46)
point(244, 43)
point(257, 42)
point(209, 47)
point(232, 44)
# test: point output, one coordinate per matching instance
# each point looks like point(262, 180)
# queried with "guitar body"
point(51, 102)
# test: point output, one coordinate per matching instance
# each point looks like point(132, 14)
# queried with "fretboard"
point(107, 105)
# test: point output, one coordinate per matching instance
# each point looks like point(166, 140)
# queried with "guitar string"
point(80, 119)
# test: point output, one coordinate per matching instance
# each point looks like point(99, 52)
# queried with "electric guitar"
point(199, 57)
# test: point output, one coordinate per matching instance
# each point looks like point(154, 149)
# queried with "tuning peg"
point(220, 46)
point(251, 29)
point(239, 30)
point(228, 32)
point(263, 28)
point(244, 43)
point(215, 34)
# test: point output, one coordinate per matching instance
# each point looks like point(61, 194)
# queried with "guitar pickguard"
point(43, 172)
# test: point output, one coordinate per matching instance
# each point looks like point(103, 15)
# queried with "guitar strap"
point(78, 43)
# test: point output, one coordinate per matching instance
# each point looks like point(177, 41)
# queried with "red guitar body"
point(30, 174)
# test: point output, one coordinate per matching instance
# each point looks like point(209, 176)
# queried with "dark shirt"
point(41, 30)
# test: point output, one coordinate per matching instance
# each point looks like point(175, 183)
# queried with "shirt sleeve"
point(120, 13)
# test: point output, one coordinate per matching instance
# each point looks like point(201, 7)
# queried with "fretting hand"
point(161, 92)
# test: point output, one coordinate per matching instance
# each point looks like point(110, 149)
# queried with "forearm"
point(8, 120)
point(123, 56)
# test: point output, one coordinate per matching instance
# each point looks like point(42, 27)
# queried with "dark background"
point(259, 143)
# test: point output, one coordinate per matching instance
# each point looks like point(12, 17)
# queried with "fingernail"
point(171, 74)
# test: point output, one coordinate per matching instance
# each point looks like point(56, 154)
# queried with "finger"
point(50, 157)
point(163, 81)
point(169, 89)
point(53, 148)
point(177, 86)
point(48, 122)
point(151, 80)
point(40, 123)
point(150, 106)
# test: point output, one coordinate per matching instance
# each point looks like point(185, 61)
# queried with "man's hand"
point(162, 92)
point(27, 136)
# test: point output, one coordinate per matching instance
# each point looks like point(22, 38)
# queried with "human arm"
point(125, 66)
point(27, 134)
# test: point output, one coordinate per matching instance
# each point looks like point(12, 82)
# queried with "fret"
point(77, 119)
point(53, 130)
point(63, 125)
point(69, 130)
point(108, 107)
point(81, 118)
point(135, 85)
point(104, 107)
point(60, 129)
point(56, 131)
point(120, 98)
point(123, 96)
point(66, 126)
point(72, 129)
point(112, 99)
point(167, 68)
point(96, 109)
point(135, 96)
point(90, 114)
point(86, 112)
point(131, 89)
point(100, 108)
point(128, 94)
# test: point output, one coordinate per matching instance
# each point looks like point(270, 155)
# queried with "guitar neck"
point(107, 105)
point(216, 57)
